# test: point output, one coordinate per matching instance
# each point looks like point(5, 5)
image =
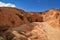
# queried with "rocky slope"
point(12, 17)
point(16, 24)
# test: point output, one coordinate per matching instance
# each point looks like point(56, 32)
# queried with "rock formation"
point(16, 24)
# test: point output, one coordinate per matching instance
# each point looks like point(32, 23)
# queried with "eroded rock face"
point(35, 16)
point(12, 17)
point(39, 31)
point(52, 17)
point(34, 32)
point(29, 25)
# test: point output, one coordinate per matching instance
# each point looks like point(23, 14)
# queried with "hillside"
point(16, 24)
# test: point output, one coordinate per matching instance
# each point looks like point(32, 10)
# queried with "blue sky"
point(34, 5)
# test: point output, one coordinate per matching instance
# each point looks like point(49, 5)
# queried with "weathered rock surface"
point(11, 17)
point(52, 18)
point(38, 31)
point(17, 24)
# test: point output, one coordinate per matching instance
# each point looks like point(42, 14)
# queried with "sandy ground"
point(43, 31)
point(52, 33)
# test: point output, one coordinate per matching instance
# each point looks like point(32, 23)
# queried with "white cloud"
point(2, 4)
